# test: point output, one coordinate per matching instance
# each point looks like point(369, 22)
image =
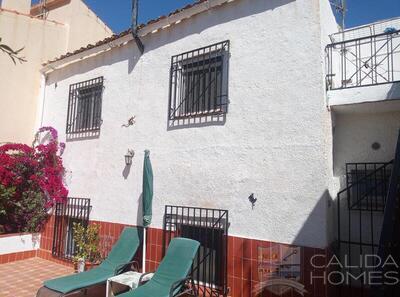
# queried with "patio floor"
point(24, 278)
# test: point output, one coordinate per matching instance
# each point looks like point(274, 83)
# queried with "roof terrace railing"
point(374, 28)
point(364, 61)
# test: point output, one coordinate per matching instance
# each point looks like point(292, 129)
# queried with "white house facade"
point(230, 98)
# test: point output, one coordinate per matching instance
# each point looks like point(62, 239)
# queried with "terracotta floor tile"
point(23, 278)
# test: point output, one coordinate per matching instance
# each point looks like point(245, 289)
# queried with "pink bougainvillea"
point(31, 182)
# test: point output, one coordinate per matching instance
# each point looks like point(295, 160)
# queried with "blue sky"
point(116, 13)
point(361, 12)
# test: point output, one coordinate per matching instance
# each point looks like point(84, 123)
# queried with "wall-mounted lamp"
point(252, 200)
point(129, 157)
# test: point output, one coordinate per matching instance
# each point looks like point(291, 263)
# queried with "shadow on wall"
point(290, 270)
point(394, 92)
point(120, 54)
point(82, 136)
point(139, 215)
point(199, 121)
point(153, 41)
point(126, 171)
point(355, 135)
point(316, 218)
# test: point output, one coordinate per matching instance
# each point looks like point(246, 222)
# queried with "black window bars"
point(210, 228)
point(199, 82)
point(368, 184)
point(360, 210)
point(365, 61)
point(75, 210)
point(84, 106)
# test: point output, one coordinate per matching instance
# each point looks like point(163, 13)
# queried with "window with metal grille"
point(209, 227)
point(368, 184)
point(75, 210)
point(84, 106)
point(199, 82)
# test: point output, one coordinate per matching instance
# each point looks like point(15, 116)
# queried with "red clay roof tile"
point(123, 33)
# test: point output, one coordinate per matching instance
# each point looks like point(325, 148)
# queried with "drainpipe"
point(135, 9)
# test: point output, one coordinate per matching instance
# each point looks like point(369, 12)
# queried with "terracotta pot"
point(90, 265)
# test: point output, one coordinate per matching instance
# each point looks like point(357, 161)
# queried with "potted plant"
point(87, 244)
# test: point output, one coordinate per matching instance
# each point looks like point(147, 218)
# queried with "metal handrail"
point(364, 61)
point(362, 38)
point(389, 219)
point(365, 176)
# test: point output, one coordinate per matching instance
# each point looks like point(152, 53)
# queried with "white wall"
point(22, 6)
point(273, 143)
point(356, 132)
point(328, 25)
point(376, 93)
point(19, 84)
point(19, 243)
point(80, 17)
point(357, 127)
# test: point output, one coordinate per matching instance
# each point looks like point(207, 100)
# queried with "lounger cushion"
point(123, 252)
point(150, 289)
point(175, 266)
point(80, 280)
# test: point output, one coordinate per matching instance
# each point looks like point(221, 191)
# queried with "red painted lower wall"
point(250, 261)
point(7, 258)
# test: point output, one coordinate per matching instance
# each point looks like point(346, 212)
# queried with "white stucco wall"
point(376, 93)
point(356, 128)
point(355, 132)
point(19, 243)
point(273, 143)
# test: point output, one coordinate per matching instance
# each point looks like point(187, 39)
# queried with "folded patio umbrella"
point(147, 192)
point(147, 199)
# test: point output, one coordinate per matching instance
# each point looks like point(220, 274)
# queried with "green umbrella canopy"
point(147, 192)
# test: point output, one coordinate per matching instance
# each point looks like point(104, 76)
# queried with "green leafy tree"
point(15, 55)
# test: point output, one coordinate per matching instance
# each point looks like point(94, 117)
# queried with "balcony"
point(363, 65)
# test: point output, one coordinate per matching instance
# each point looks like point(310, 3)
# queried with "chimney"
point(22, 6)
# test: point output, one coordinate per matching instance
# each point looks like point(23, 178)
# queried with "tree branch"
point(13, 54)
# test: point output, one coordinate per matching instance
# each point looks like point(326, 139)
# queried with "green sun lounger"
point(172, 274)
point(117, 261)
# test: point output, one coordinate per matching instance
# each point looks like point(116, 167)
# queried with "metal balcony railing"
point(364, 61)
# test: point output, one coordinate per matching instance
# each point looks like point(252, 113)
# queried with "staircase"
point(368, 221)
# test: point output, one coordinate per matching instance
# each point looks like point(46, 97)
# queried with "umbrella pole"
point(144, 250)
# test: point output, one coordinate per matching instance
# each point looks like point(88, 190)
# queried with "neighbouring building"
point(44, 30)
point(257, 114)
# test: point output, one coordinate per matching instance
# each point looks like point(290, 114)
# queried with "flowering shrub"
point(31, 182)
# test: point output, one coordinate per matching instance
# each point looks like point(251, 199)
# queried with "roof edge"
point(151, 27)
point(30, 16)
